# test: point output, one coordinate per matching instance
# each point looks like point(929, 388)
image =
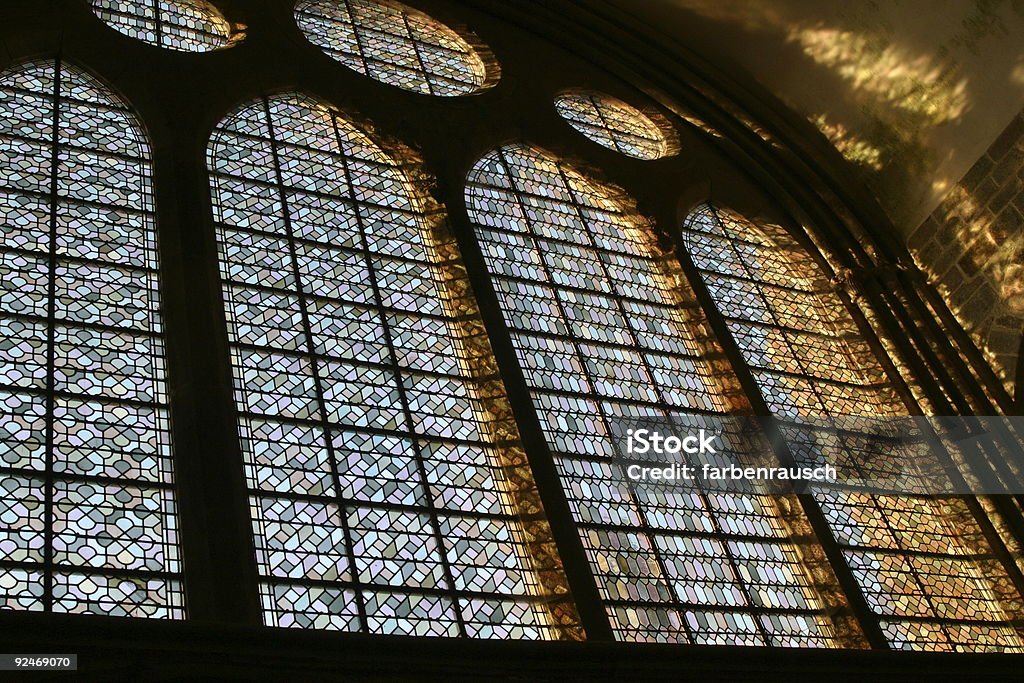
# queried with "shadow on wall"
point(972, 248)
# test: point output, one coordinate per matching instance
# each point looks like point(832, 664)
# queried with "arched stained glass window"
point(87, 512)
point(183, 25)
point(921, 562)
point(613, 124)
point(393, 44)
point(601, 333)
point(372, 424)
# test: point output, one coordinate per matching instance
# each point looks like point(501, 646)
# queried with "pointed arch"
point(922, 562)
point(87, 506)
point(375, 434)
point(603, 331)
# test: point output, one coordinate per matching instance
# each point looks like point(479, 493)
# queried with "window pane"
point(921, 561)
point(596, 323)
point(183, 25)
point(87, 511)
point(371, 425)
point(393, 44)
point(613, 124)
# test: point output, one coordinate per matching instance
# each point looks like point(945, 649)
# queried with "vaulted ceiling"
point(911, 92)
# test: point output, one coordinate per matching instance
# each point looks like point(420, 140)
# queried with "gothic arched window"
point(601, 332)
point(183, 25)
point(921, 562)
point(393, 44)
point(87, 511)
point(371, 421)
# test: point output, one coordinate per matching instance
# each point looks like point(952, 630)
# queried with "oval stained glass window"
point(183, 25)
point(393, 44)
point(612, 123)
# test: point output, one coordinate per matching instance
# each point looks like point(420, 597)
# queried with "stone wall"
point(972, 247)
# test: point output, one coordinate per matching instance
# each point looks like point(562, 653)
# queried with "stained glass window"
point(369, 414)
point(922, 562)
point(613, 124)
point(601, 333)
point(393, 44)
point(87, 510)
point(183, 25)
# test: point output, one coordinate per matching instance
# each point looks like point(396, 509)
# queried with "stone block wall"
point(972, 248)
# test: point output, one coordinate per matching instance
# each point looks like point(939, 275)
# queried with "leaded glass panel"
point(601, 334)
point(182, 25)
point(612, 123)
point(376, 468)
point(922, 562)
point(393, 44)
point(87, 507)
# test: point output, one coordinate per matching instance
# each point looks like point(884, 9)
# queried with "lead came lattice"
point(87, 511)
point(601, 335)
point(393, 44)
point(378, 502)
